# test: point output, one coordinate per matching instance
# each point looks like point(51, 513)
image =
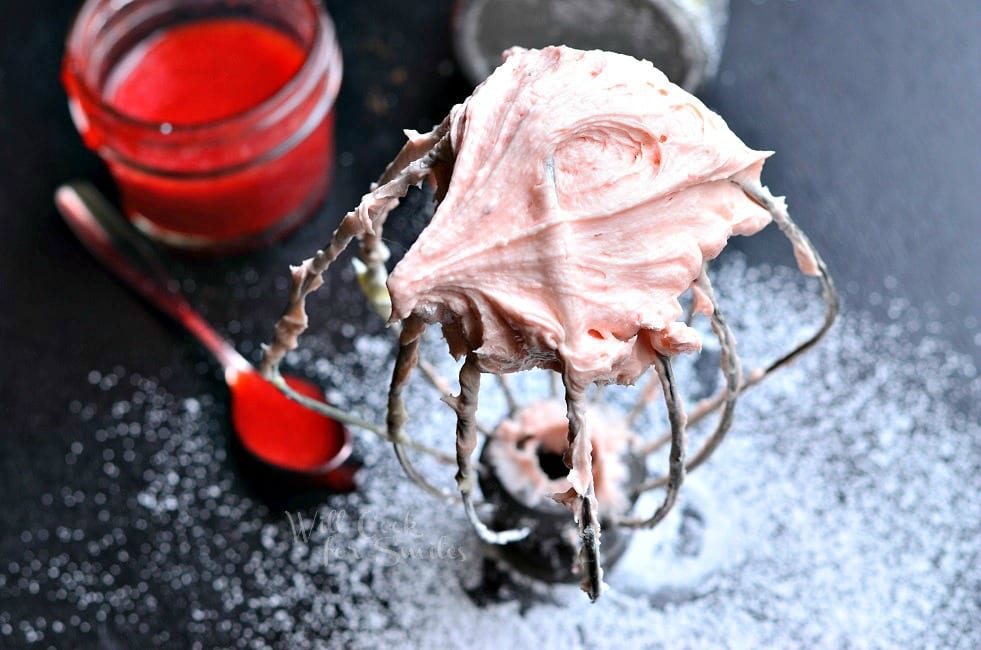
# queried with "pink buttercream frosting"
point(541, 428)
point(586, 193)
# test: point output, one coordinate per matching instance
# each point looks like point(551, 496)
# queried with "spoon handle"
point(137, 262)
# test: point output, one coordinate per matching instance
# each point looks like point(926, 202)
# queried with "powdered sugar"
point(842, 511)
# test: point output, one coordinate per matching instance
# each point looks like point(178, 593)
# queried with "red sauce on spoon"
point(285, 442)
point(280, 431)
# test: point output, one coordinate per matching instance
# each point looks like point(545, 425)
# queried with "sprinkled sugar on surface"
point(842, 511)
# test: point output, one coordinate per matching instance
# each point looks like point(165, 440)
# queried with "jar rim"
point(324, 37)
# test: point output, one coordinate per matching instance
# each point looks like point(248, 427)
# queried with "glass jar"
point(683, 38)
point(224, 181)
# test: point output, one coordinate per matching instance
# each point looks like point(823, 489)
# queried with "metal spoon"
point(134, 260)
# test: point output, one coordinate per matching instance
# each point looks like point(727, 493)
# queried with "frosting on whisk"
point(580, 195)
point(587, 192)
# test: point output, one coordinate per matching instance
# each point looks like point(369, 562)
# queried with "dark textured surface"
point(872, 108)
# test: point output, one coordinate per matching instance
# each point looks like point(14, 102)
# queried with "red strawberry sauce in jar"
point(215, 117)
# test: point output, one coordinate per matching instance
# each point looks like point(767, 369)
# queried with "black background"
point(872, 108)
